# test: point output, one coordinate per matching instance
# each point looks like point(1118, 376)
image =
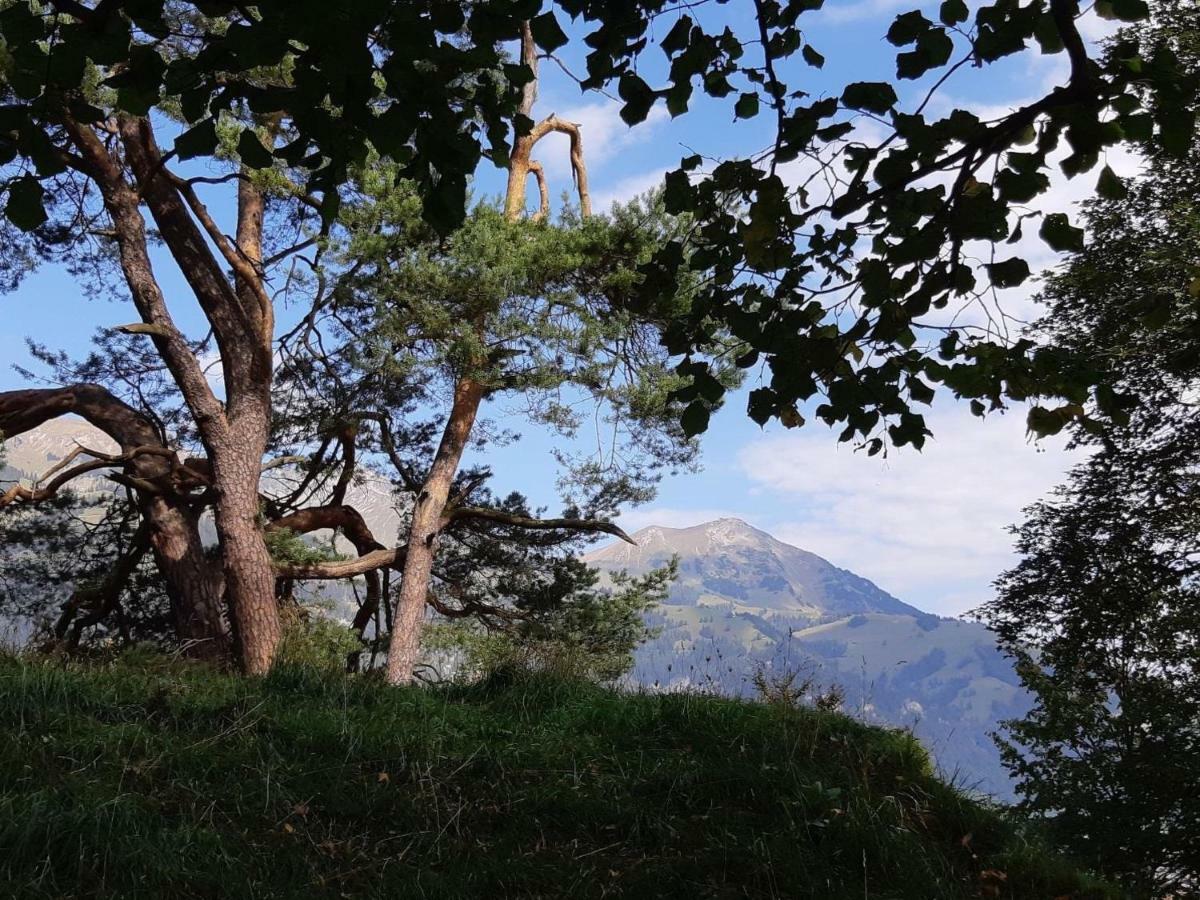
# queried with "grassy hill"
point(150, 778)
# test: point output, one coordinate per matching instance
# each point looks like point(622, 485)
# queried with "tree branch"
point(281, 461)
point(37, 493)
point(328, 571)
point(543, 190)
point(104, 597)
point(578, 169)
point(347, 519)
point(464, 513)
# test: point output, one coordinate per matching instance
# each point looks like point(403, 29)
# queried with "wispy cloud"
point(930, 527)
point(604, 133)
point(841, 13)
point(626, 189)
point(674, 517)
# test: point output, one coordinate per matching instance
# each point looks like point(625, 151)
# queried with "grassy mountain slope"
point(151, 778)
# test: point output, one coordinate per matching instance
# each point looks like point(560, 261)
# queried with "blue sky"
point(930, 527)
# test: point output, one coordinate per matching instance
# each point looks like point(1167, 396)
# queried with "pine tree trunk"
point(405, 641)
point(249, 571)
point(195, 584)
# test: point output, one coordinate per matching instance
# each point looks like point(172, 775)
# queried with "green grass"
point(150, 778)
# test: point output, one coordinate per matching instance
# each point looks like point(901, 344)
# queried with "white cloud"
point(930, 527)
point(626, 189)
point(840, 13)
point(672, 517)
point(603, 131)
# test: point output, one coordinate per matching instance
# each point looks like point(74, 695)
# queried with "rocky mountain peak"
point(33, 452)
point(729, 561)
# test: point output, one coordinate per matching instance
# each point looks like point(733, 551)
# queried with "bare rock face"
point(745, 601)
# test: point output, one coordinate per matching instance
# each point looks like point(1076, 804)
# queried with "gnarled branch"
point(39, 493)
point(347, 519)
point(336, 569)
point(543, 190)
point(520, 160)
point(578, 168)
point(463, 513)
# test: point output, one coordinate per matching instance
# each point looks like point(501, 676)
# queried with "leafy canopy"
point(841, 279)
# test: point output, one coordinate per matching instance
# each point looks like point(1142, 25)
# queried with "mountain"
point(28, 456)
point(745, 601)
point(728, 561)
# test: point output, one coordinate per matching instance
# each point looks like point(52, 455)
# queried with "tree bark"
point(249, 570)
point(428, 520)
point(243, 324)
point(430, 514)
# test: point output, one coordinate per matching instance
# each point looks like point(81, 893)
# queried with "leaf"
point(812, 57)
point(677, 192)
point(1046, 422)
point(872, 96)
point(908, 27)
point(1060, 234)
point(920, 391)
point(933, 49)
point(909, 430)
point(1046, 32)
point(547, 33)
point(678, 96)
point(638, 98)
point(1131, 10)
point(1110, 186)
point(1020, 187)
point(1008, 273)
point(709, 387)
point(677, 37)
point(1176, 127)
point(138, 84)
point(695, 419)
point(952, 12)
point(252, 152)
point(199, 140)
point(790, 417)
point(746, 106)
point(760, 405)
point(25, 208)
